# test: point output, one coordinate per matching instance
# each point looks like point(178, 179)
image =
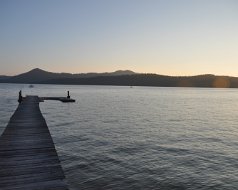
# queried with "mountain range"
point(122, 78)
point(40, 76)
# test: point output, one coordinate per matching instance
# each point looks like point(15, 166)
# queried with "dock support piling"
point(68, 95)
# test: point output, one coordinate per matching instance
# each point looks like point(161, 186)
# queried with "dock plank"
point(28, 159)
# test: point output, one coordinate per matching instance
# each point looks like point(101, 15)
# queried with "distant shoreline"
point(122, 78)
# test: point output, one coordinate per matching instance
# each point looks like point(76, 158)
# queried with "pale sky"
point(171, 37)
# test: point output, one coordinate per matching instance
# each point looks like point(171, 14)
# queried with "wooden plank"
point(52, 185)
point(28, 159)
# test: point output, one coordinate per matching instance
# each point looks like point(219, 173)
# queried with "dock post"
point(20, 97)
point(68, 95)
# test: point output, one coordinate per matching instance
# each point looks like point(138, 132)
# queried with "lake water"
point(141, 137)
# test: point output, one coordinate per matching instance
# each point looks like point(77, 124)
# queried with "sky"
point(169, 37)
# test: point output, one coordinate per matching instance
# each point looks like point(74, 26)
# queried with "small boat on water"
point(31, 86)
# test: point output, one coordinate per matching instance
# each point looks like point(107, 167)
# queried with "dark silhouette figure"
point(68, 95)
point(20, 97)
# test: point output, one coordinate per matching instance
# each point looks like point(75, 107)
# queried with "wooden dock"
point(28, 159)
point(62, 99)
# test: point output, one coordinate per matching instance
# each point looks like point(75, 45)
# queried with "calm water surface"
point(140, 137)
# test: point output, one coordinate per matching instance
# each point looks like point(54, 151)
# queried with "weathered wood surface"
point(28, 159)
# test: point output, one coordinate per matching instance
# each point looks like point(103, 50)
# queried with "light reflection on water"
point(140, 137)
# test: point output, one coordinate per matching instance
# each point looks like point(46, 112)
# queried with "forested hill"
point(154, 80)
point(122, 78)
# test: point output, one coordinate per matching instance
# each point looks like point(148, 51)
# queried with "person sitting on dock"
point(20, 97)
